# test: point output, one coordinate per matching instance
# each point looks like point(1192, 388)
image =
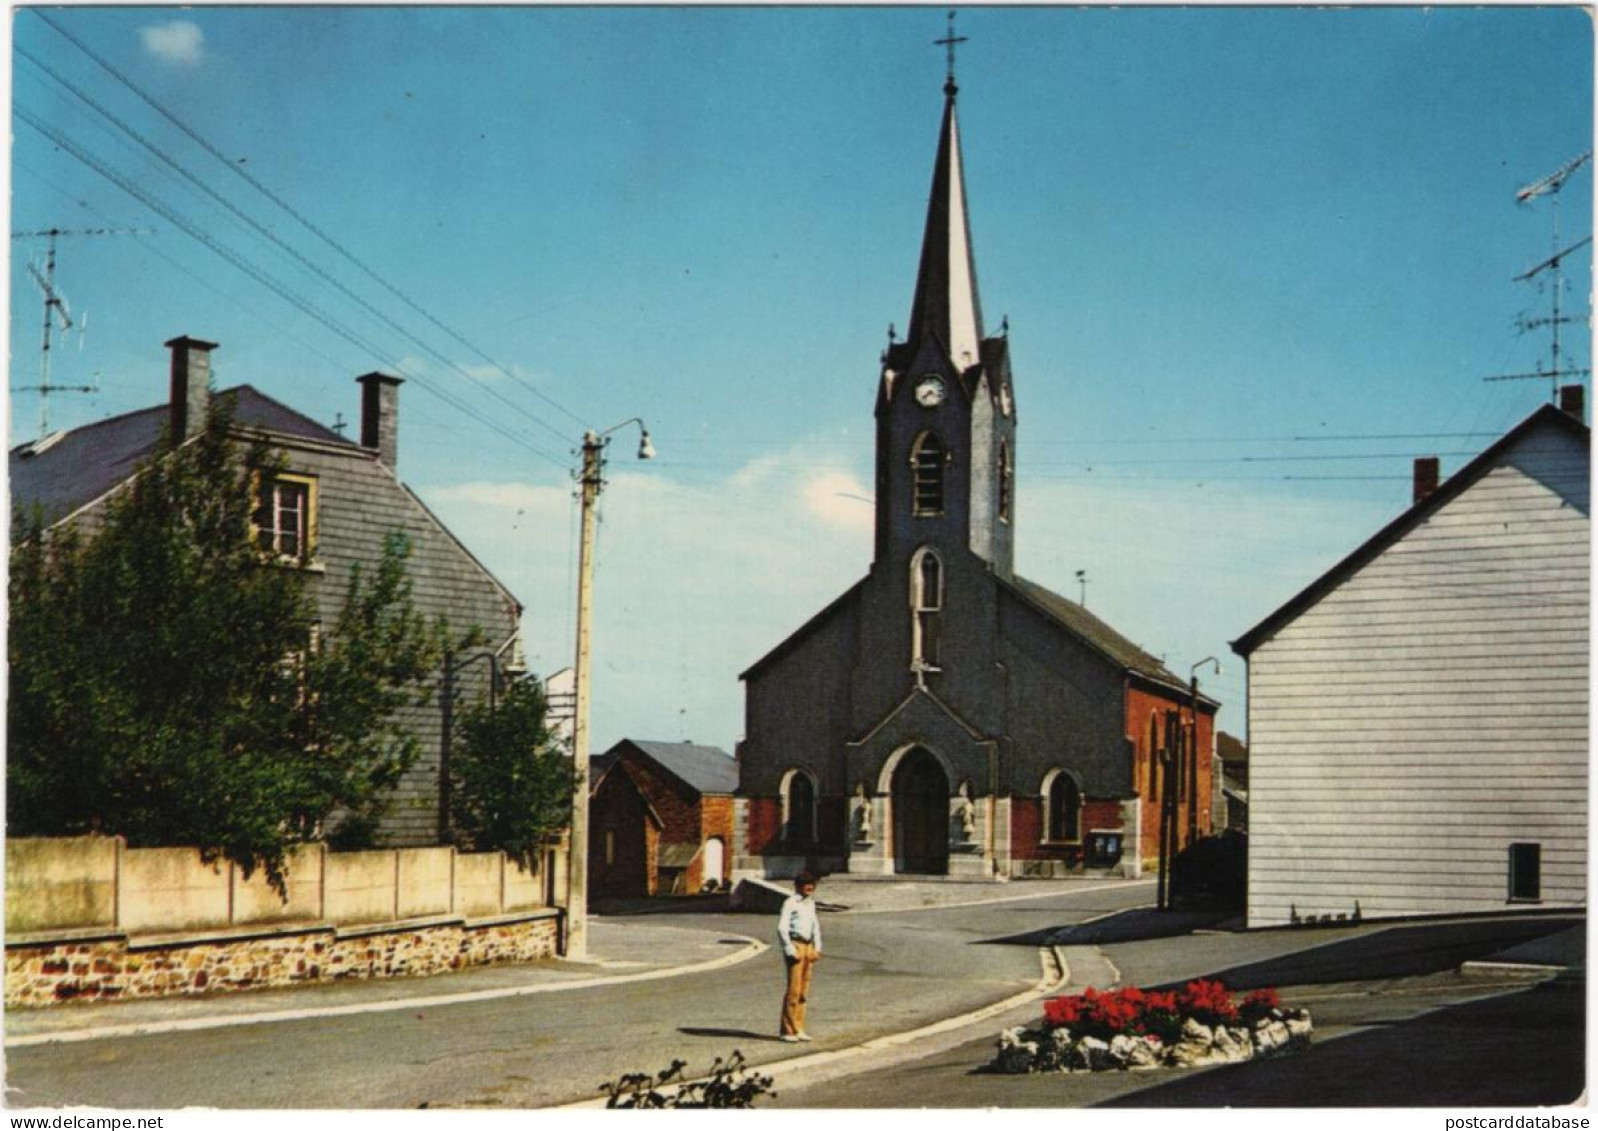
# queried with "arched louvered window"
point(926, 603)
point(1006, 482)
point(927, 460)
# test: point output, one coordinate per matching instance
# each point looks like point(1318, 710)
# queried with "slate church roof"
point(1092, 631)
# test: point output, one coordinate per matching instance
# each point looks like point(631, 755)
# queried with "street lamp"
point(592, 481)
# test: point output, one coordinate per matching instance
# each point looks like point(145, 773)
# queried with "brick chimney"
point(380, 416)
point(191, 386)
point(1427, 471)
point(1573, 399)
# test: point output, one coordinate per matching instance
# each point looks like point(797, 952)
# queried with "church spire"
point(947, 307)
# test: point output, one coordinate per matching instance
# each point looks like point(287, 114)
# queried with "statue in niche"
point(968, 814)
point(864, 809)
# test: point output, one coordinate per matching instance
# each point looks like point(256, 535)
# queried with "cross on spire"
point(948, 42)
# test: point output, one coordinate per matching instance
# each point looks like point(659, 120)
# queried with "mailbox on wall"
point(1104, 848)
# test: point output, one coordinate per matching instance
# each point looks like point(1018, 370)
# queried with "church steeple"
point(947, 309)
point(945, 410)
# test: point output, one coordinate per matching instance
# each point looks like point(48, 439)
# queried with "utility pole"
point(56, 311)
point(591, 481)
point(1169, 777)
point(1193, 792)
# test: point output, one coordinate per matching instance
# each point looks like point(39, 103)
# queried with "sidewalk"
point(615, 954)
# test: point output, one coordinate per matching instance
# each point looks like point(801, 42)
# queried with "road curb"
point(1057, 975)
point(751, 948)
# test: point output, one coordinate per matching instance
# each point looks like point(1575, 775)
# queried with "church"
point(945, 716)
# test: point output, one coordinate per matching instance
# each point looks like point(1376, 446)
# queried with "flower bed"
point(1132, 1029)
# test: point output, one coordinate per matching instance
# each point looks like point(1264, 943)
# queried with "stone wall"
point(98, 967)
point(87, 917)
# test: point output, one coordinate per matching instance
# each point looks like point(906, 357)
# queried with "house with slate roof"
point(1419, 714)
point(945, 715)
point(660, 819)
point(330, 508)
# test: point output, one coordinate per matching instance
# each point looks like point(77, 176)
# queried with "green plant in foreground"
point(731, 1083)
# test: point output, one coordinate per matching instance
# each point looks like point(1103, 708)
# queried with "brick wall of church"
point(765, 824)
point(1142, 706)
point(1026, 829)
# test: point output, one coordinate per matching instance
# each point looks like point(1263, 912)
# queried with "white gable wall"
point(1432, 709)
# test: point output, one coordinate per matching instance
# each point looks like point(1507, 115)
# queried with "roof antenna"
point(948, 42)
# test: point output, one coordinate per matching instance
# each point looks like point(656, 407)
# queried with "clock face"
point(929, 391)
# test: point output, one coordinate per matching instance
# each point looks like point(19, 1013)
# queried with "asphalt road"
point(1396, 1026)
point(883, 973)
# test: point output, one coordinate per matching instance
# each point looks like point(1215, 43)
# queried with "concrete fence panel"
point(524, 888)
point(254, 901)
point(479, 877)
point(359, 887)
point(61, 883)
point(172, 889)
point(426, 881)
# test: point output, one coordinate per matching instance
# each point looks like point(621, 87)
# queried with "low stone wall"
point(97, 966)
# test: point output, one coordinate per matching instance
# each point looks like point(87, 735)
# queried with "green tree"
point(512, 784)
point(166, 681)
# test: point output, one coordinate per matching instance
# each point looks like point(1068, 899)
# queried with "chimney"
point(191, 386)
point(380, 416)
point(1572, 399)
point(1427, 470)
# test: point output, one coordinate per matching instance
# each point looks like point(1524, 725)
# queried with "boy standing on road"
point(799, 932)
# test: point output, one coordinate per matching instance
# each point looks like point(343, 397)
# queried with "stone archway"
point(920, 793)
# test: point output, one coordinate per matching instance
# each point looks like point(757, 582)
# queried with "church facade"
point(944, 715)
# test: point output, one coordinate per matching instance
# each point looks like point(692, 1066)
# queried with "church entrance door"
point(920, 815)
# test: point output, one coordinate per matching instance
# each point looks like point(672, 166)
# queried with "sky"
point(1254, 261)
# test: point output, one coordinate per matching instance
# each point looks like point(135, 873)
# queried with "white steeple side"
point(964, 334)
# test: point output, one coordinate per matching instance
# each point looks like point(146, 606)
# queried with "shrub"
point(1211, 874)
point(1209, 1003)
point(1258, 1003)
point(731, 1084)
point(1152, 1013)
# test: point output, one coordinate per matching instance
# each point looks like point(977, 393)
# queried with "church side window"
point(927, 459)
point(926, 602)
point(1006, 478)
point(1062, 809)
point(799, 805)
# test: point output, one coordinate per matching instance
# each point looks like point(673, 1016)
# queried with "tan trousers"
point(793, 1002)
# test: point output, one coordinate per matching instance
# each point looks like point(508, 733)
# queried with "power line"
point(260, 276)
point(262, 230)
point(239, 171)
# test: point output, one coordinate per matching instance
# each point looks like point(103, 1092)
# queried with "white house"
point(1418, 716)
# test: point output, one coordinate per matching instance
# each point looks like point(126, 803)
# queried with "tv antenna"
point(1549, 186)
point(57, 314)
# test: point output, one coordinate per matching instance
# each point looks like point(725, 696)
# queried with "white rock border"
point(1278, 1032)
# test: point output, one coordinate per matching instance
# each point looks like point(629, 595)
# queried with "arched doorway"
point(920, 815)
point(715, 852)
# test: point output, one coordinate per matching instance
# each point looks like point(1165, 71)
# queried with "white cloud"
point(179, 41)
point(839, 499)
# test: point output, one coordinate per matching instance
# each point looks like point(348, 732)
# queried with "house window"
point(285, 516)
point(1062, 808)
point(799, 809)
point(1006, 475)
point(927, 459)
point(1525, 873)
point(926, 602)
